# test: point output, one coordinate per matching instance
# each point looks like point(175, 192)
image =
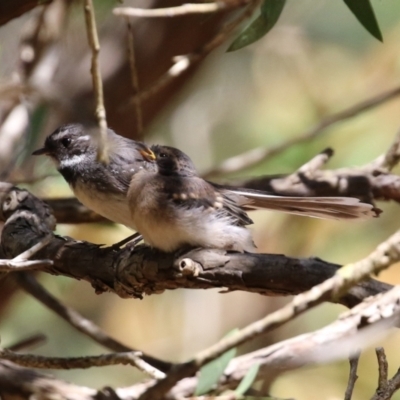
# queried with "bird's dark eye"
point(163, 155)
point(66, 142)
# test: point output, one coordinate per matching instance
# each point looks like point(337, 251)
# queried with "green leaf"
point(270, 12)
point(364, 12)
point(211, 372)
point(247, 380)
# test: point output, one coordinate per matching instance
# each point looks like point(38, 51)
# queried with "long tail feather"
point(319, 207)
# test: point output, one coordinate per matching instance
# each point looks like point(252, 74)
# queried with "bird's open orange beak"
point(147, 154)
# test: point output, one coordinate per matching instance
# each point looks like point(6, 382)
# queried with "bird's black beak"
point(40, 152)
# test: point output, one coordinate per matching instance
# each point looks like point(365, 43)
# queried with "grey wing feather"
point(201, 194)
point(319, 207)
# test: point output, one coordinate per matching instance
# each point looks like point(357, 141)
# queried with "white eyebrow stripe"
point(86, 137)
point(61, 134)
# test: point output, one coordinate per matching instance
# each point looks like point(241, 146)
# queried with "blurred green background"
point(317, 60)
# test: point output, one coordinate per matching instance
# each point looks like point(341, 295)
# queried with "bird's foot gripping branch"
point(134, 272)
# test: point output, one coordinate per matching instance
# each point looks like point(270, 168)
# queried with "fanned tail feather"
point(318, 207)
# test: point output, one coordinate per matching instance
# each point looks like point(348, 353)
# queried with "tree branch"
point(319, 346)
point(133, 273)
point(79, 322)
point(386, 387)
point(97, 81)
point(128, 358)
point(255, 156)
point(352, 376)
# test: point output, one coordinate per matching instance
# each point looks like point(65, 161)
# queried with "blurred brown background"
point(317, 60)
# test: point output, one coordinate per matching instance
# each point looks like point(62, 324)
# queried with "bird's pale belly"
point(112, 207)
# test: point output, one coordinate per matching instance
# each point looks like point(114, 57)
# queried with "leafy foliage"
point(247, 380)
point(364, 12)
point(211, 372)
point(271, 10)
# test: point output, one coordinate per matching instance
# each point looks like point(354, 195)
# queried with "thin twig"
point(21, 262)
point(255, 156)
point(354, 359)
point(78, 321)
point(316, 163)
point(134, 79)
point(383, 367)
point(386, 388)
point(11, 266)
point(130, 358)
point(100, 112)
point(29, 342)
point(33, 250)
point(384, 255)
point(391, 158)
point(184, 9)
point(183, 62)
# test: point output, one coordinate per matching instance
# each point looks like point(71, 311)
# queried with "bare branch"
point(130, 358)
point(255, 156)
point(35, 56)
point(79, 322)
point(391, 158)
point(21, 262)
point(383, 368)
point(386, 388)
point(365, 323)
point(26, 383)
point(134, 79)
point(70, 211)
point(10, 266)
point(97, 81)
point(273, 360)
point(183, 62)
point(29, 342)
point(33, 250)
point(184, 9)
point(354, 359)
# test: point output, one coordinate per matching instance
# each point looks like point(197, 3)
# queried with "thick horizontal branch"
point(133, 273)
point(70, 211)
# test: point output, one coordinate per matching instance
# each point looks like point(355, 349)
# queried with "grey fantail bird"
point(100, 187)
point(173, 207)
point(104, 187)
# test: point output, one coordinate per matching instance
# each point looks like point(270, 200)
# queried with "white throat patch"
point(74, 160)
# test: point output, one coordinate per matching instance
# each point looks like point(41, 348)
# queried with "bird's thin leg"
point(133, 240)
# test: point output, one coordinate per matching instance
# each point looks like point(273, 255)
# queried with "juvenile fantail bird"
point(173, 207)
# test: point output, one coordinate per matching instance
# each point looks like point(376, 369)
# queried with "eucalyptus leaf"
point(270, 12)
point(363, 11)
point(211, 372)
point(247, 380)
